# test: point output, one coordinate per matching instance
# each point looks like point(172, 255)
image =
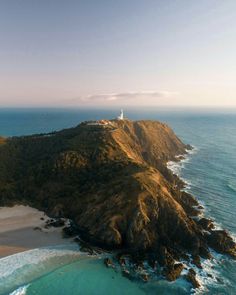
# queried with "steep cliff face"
point(112, 180)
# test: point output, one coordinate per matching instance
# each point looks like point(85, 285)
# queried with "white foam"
point(22, 268)
point(10, 264)
point(209, 274)
point(219, 226)
point(20, 291)
point(177, 166)
point(194, 150)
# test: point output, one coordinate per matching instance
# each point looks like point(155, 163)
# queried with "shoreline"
point(22, 228)
point(208, 273)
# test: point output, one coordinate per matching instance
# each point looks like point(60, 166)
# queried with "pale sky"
point(105, 53)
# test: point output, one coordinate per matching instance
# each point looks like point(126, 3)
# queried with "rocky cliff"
point(111, 178)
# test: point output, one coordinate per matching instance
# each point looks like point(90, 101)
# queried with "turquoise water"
point(211, 176)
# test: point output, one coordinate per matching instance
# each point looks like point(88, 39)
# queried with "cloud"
point(128, 97)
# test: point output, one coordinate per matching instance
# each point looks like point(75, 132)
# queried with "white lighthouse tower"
point(121, 116)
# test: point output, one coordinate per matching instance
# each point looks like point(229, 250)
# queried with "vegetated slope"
point(113, 182)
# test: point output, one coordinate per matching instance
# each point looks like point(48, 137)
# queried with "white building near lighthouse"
point(121, 116)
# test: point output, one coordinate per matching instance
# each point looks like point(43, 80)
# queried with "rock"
point(86, 247)
point(219, 280)
point(57, 211)
point(58, 222)
point(122, 262)
point(38, 228)
point(189, 199)
point(153, 263)
point(206, 224)
point(196, 261)
point(145, 277)
point(71, 230)
point(188, 147)
point(140, 265)
point(164, 257)
point(42, 218)
point(109, 263)
point(185, 257)
point(122, 257)
point(172, 272)
point(204, 252)
point(126, 273)
point(193, 212)
point(189, 203)
point(191, 277)
point(88, 250)
point(222, 242)
point(180, 158)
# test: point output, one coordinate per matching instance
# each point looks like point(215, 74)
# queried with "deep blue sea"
point(210, 172)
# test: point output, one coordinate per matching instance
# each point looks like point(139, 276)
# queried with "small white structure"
point(99, 123)
point(121, 116)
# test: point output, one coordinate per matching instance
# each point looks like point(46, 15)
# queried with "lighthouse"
point(121, 116)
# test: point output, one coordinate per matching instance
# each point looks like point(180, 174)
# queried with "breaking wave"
point(20, 291)
point(177, 166)
point(21, 268)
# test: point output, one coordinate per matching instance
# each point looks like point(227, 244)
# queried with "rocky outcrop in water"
point(222, 242)
point(191, 277)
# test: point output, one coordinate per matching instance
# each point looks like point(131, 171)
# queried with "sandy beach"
point(23, 228)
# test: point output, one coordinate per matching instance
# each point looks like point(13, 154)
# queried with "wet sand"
point(22, 228)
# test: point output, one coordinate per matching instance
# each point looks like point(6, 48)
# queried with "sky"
point(105, 53)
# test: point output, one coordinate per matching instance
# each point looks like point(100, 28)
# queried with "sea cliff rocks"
point(206, 224)
point(173, 271)
point(108, 262)
point(191, 277)
point(222, 242)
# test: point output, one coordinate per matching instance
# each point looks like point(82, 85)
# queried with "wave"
point(21, 268)
point(177, 166)
point(193, 151)
point(20, 291)
point(210, 276)
point(207, 276)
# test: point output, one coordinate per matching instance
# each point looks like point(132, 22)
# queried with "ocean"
point(210, 174)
